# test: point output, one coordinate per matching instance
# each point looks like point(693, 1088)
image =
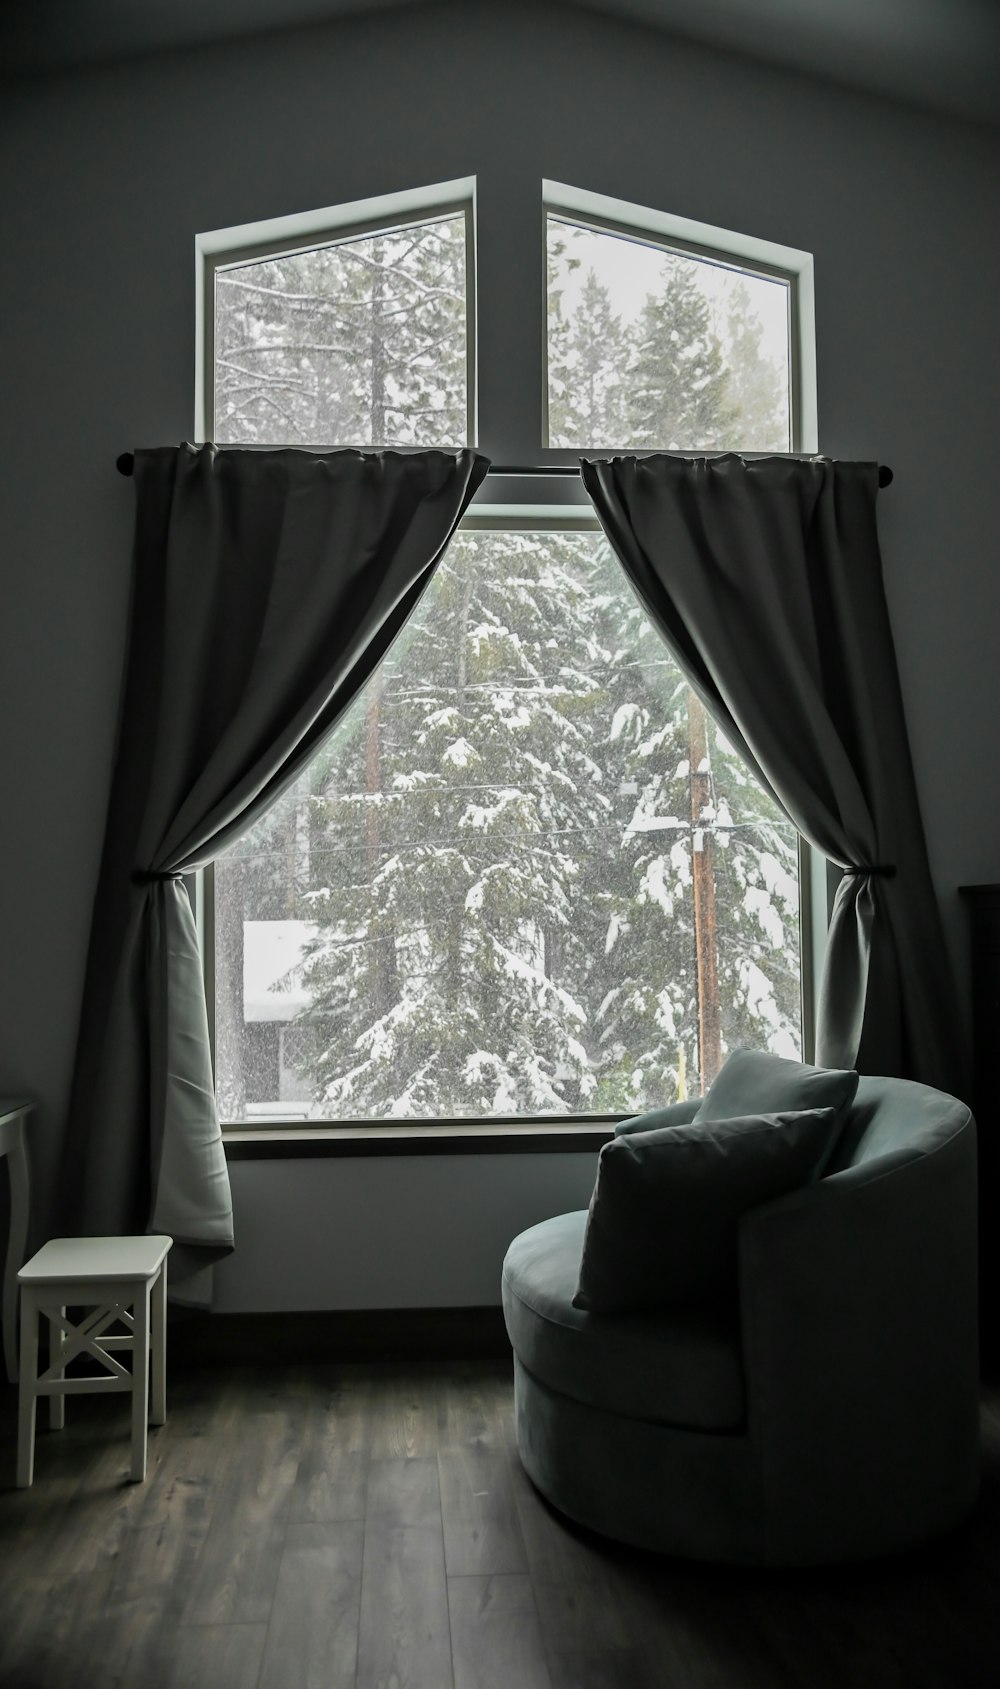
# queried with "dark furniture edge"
point(198, 1340)
point(291, 1145)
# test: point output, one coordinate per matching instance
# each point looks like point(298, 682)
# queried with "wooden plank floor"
point(368, 1526)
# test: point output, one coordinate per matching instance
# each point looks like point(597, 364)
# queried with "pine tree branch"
point(259, 376)
point(286, 346)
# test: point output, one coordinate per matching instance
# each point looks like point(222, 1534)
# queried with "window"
point(355, 332)
point(712, 332)
point(656, 349)
point(526, 876)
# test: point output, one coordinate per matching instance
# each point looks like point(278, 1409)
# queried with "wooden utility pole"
point(703, 874)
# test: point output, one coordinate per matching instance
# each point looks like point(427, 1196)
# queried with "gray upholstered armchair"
point(830, 1413)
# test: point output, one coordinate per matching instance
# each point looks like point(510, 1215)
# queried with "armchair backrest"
point(893, 1115)
point(888, 1116)
point(858, 1299)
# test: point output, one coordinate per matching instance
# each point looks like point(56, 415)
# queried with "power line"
point(532, 841)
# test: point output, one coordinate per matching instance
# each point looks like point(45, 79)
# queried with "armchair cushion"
point(671, 1366)
point(756, 1082)
point(664, 1217)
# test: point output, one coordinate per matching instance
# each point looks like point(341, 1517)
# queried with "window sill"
point(293, 1143)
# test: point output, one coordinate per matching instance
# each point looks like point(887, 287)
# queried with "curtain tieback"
point(151, 877)
point(887, 870)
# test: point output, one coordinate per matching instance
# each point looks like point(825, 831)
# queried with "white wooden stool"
point(109, 1276)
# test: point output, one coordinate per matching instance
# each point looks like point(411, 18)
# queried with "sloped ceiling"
point(943, 55)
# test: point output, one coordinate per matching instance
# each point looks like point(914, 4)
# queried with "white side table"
point(13, 1144)
point(119, 1279)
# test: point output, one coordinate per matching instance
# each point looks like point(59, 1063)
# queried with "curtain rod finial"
point(125, 464)
point(884, 475)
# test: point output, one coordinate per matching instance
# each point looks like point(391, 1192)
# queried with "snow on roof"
point(272, 951)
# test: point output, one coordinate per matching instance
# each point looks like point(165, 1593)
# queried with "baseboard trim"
point(197, 1339)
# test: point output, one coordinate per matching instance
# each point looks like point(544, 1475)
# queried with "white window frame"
point(723, 247)
point(280, 237)
point(565, 506)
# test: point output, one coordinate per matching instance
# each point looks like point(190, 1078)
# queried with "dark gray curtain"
point(765, 579)
point(267, 587)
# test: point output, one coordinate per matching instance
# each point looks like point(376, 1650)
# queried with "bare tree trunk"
point(703, 874)
point(230, 1037)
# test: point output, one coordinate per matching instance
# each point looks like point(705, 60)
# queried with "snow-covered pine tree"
point(677, 389)
point(479, 845)
point(558, 334)
point(755, 389)
point(360, 343)
point(757, 908)
point(588, 355)
point(642, 988)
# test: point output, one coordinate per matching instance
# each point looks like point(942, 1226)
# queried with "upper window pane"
point(359, 342)
point(657, 350)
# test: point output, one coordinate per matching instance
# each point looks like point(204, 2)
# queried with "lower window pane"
point(525, 876)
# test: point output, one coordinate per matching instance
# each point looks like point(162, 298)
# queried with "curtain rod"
point(126, 463)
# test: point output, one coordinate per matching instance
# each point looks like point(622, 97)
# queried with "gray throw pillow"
point(675, 1114)
point(664, 1217)
point(755, 1082)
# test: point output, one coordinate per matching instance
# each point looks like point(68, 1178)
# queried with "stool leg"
point(140, 1382)
point(27, 1396)
point(159, 1364)
point(57, 1400)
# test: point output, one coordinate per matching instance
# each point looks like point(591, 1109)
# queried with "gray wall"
point(408, 1231)
point(109, 174)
